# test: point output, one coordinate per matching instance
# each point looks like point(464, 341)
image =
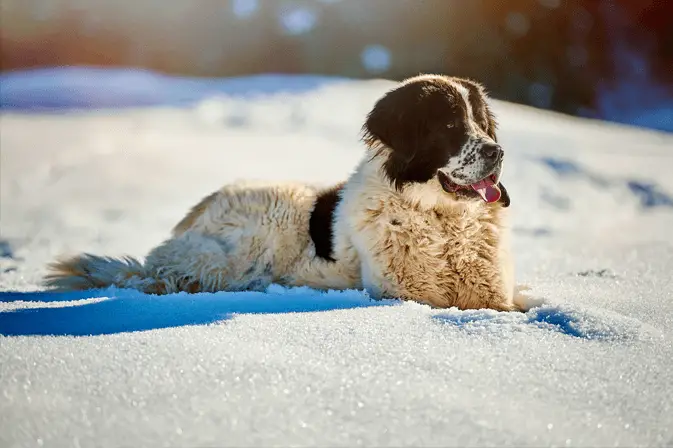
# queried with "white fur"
point(418, 243)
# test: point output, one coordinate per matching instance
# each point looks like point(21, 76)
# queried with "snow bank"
point(72, 88)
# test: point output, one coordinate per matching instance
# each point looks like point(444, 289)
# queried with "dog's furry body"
point(390, 228)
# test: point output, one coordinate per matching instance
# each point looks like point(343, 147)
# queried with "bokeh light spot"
point(298, 20)
point(517, 23)
point(376, 58)
point(244, 8)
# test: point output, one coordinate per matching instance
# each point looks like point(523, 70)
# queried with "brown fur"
point(194, 213)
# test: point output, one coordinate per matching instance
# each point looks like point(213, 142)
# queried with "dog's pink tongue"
point(487, 190)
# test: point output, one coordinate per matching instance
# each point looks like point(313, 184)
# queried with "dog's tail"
point(88, 271)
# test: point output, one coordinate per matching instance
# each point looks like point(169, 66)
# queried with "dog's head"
point(434, 126)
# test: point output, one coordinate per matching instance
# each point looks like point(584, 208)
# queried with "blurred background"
point(606, 59)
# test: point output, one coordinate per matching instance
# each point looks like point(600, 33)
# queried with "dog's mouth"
point(487, 188)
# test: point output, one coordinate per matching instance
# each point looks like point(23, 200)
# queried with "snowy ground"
point(592, 217)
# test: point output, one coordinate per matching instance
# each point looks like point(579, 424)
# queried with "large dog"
point(421, 218)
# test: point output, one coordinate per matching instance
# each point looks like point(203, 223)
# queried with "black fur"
point(424, 123)
point(321, 222)
point(412, 120)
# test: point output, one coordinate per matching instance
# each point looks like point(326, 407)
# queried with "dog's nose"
point(491, 151)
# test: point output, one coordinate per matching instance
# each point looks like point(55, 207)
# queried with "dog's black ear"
point(389, 123)
point(504, 196)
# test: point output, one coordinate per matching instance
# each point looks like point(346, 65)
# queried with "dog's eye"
point(455, 123)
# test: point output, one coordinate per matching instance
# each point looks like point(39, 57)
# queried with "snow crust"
point(592, 214)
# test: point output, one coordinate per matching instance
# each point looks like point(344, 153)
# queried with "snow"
point(591, 215)
point(61, 88)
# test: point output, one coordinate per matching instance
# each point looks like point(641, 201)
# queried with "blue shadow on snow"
point(569, 322)
point(120, 310)
point(648, 194)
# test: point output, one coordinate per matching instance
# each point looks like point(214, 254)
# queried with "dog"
point(421, 218)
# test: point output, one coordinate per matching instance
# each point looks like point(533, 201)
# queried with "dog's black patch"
point(321, 223)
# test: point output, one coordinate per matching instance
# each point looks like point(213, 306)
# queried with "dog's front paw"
point(524, 300)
